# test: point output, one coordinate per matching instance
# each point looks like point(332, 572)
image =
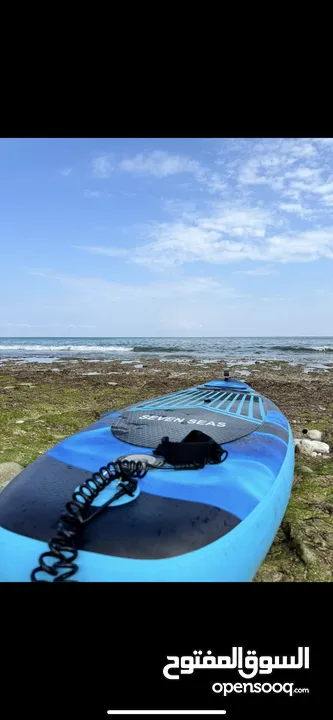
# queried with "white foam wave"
point(69, 348)
point(322, 348)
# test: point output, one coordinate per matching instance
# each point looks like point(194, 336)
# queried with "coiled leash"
point(194, 452)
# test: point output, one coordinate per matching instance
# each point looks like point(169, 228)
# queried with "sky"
point(119, 237)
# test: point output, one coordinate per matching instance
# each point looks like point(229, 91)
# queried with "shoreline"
point(41, 403)
point(299, 360)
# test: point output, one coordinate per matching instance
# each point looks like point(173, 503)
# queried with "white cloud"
point(97, 194)
point(256, 271)
point(39, 272)
point(264, 170)
point(328, 199)
point(291, 207)
point(271, 161)
point(159, 164)
point(303, 149)
point(102, 166)
point(324, 141)
point(303, 246)
point(238, 230)
point(100, 250)
point(325, 189)
point(295, 208)
point(206, 239)
point(303, 173)
point(237, 221)
point(66, 171)
point(177, 244)
point(249, 174)
point(212, 181)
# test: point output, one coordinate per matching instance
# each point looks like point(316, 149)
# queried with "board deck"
point(215, 524)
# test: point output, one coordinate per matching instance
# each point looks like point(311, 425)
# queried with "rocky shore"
point(42, 403)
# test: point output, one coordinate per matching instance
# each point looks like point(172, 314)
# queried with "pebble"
point(111, 383)
point(19, 422)
point(313, 434)
point(305, 469)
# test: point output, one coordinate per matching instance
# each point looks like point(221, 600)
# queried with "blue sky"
point(166, 237)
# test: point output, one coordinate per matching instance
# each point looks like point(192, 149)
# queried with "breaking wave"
point(160, 348)
point(68, 348)
point(303, 348)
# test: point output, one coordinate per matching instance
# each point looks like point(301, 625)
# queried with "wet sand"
point(42, 403)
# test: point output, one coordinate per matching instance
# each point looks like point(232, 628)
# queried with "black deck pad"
point(150, 527)
point(153, 528)
point(147, 428)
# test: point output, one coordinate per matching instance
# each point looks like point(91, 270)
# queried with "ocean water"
point(310, 351)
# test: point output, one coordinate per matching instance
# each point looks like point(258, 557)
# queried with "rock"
point(309, 447)
point(314, 454)
point(18, 422)
point(320, 447)
point(313, 434)
point(303, 446)
point(111, 383)
point(306, 470)
point(306, 554)
point(306, 443)
point(8, 471)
